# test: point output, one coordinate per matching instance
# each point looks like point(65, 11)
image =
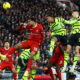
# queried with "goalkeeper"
point(23, 59)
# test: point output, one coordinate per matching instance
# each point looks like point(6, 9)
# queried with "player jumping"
point(58, 35)
point(74, 39)
point(34, 42)
point(58, 32)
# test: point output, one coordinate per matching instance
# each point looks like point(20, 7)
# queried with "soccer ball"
point(6, 5)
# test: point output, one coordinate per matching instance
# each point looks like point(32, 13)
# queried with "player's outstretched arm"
point(70, 21)
point(23, 26)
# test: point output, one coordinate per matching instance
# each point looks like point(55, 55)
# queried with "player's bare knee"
point(55, 39)
point(77, 50)
point(68, 49)
point(13, 70)
point(34, 67)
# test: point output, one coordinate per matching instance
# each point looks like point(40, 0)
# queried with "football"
point(6, 5)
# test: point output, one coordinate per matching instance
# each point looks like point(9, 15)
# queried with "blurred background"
point(21, 10)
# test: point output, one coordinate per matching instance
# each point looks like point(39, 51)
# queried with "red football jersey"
point(5, 51)
point(36, 33)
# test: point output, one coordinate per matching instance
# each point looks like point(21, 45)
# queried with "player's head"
point(75, 13)
point(31, 21)
point(50, 19)
point(6, 45)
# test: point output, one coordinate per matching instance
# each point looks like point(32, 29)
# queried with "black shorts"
point(74, 40)
point(62, 39)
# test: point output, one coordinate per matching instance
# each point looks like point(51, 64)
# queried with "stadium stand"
point(20, 12)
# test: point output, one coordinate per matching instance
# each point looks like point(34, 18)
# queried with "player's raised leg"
point(35, 40)
point(17, 46)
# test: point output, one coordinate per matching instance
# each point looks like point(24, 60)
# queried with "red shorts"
point(5, 64)
point(58, 57)
point(34, 46)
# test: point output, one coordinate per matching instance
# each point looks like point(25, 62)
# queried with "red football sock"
point(11, 51)
point(15, 75)
point(59, 75)
point(51, 73)
point(29, 64)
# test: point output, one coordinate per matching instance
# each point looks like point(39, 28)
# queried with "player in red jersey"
point(8, 63)
point(56, 60)
point(34, 42)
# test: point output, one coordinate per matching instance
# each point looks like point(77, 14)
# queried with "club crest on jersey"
point(35, 48)
point(36, 30)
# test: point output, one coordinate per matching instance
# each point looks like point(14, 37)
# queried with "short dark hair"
point(49, 15)
point(7, 41)
point(33, 19)
point(74, 10)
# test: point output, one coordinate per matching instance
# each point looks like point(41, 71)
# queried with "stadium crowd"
point(20, 12)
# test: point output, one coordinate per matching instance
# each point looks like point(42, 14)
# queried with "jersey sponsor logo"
point(35, 49)
point(10, 55)
point(60, 62)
